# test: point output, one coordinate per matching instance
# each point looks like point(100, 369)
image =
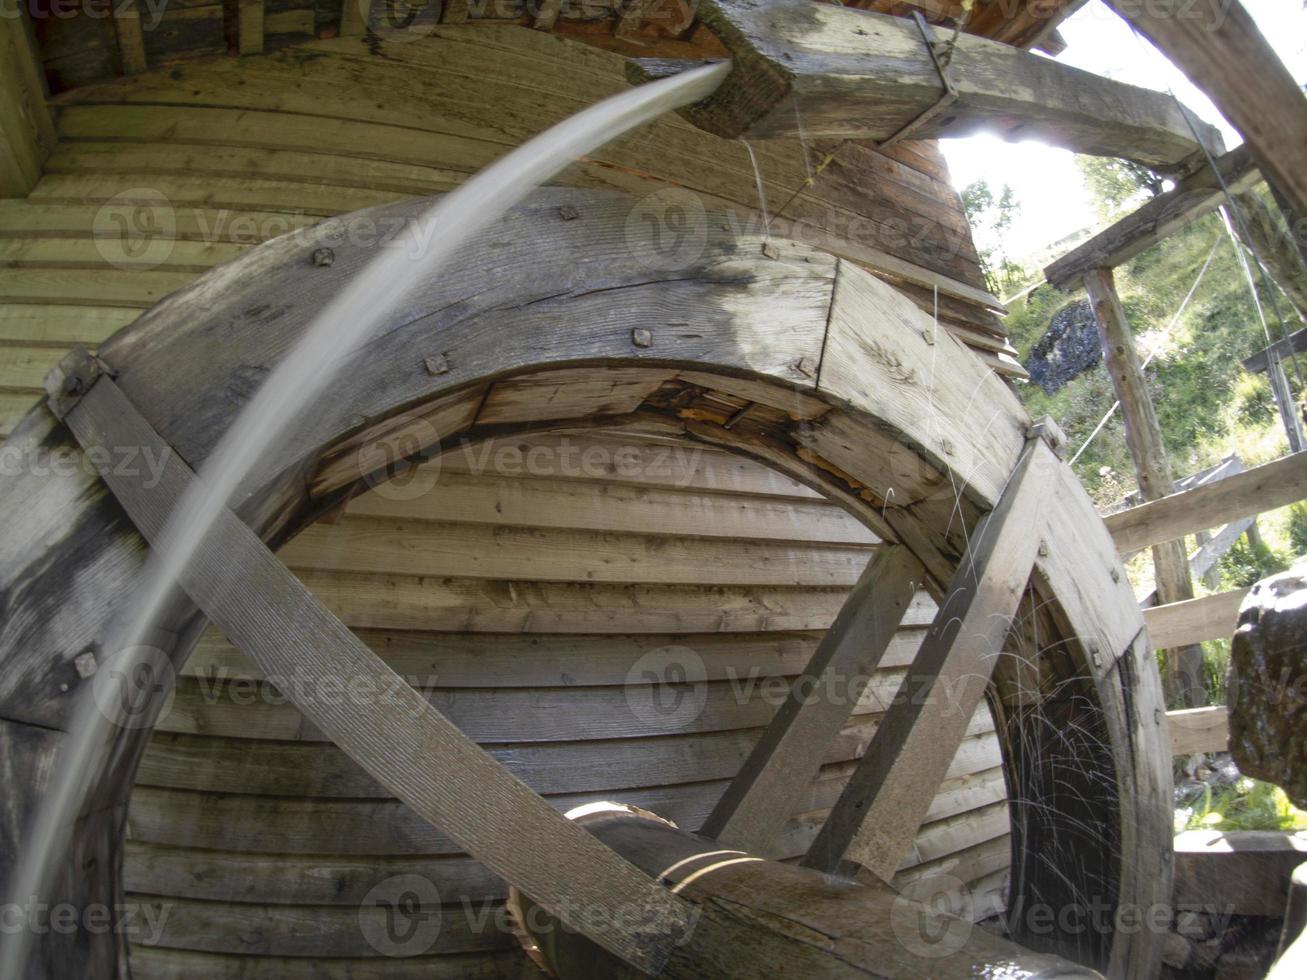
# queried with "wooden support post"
point(354, 17)
point(1216, 44)
point(250, 13)
point(785, 761)
point(26, 131)
point(1144, 437)
point(383, 723)
point(881, 809)
point(131, 39)
point(801, 69)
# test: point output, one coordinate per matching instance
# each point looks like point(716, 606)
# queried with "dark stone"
point(1267, 684)
point(1068, 348)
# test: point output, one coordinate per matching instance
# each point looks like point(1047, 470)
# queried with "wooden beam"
point(1254, 491)
point(1211, 617)
point(547, 15)
point(1295, 343)
point(391, 730)
point(131, 39)
point(1244, 872)
point(250, 14)
point(811, 70)
point(1164, 215)
point(764, 918)
point(785, 761)
point(881, 809)
point(1285, 404)
point(1143, 435)
point(1196, 730)
point(26, 131)
point(1216, 44)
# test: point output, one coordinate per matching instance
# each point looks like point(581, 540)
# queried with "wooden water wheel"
point(573, 314)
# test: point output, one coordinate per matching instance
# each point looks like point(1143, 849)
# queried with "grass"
point(1247, 804)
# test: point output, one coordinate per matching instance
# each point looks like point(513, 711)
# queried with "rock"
point(1176, 951)
point(1267, 683)
point(1069, 347)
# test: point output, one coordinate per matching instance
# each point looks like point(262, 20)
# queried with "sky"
point(1048, 186)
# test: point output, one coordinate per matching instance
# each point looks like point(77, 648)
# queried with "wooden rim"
point(836, 380)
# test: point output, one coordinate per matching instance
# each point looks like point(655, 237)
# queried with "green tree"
point(991, 215)
point(1117, 184)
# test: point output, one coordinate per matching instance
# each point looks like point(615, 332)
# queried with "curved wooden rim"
point(861, 397)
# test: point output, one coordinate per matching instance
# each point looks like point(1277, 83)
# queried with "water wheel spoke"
point(787, 758)
point(882, 808)
point(379, 720)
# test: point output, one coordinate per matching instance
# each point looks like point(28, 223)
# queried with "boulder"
point(1069, 347)
point(1267, 683)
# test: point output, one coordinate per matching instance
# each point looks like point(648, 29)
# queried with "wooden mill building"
point(726, 376)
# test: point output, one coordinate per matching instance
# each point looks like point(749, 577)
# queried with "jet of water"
point(289, 391)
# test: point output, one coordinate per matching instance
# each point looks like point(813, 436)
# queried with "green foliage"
point(1248, 804)
point(1298, 529)
point(1116, 184)
point(991, 215)
point(1248, 562)
point(1216, 664)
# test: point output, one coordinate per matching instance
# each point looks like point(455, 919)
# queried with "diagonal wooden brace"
point(380, 721)
point(881, 809)
point(787, 758)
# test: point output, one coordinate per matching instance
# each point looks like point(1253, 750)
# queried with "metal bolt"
point(642, 337)
point(1094, 655)
point(72, 384)
point(805, 366)
point(1116, 576)
point(323, 257)
point(1043, 549)
point(770, 250)
point(436, 364)
point(568, 213)
point(1157, 716)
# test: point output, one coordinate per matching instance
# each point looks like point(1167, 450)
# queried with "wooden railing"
point(1222, 502)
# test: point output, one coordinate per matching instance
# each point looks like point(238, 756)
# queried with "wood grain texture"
point(1209, 617)
point(1254, 491)
point(418, 753)
point(1199, 730)
point(26, 132)
point(828, 71)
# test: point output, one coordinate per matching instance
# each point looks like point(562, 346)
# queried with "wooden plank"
point(131, 40)
point(250, 26)
point(1162, 216)
point(151, 963)
point(26, 132)
point(881, 810)
point(549, 503)
point(1248, 871)
point(384, 546)
point(827, 71)
point(354, 17)
point(1295, 343)
point(413, 749)
point(761, 797)
point(1196, 730)
point(1219, 47)
point(1211, 617)
point(1254, 491)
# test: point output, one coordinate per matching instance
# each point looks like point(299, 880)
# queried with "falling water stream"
point(293, 387)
